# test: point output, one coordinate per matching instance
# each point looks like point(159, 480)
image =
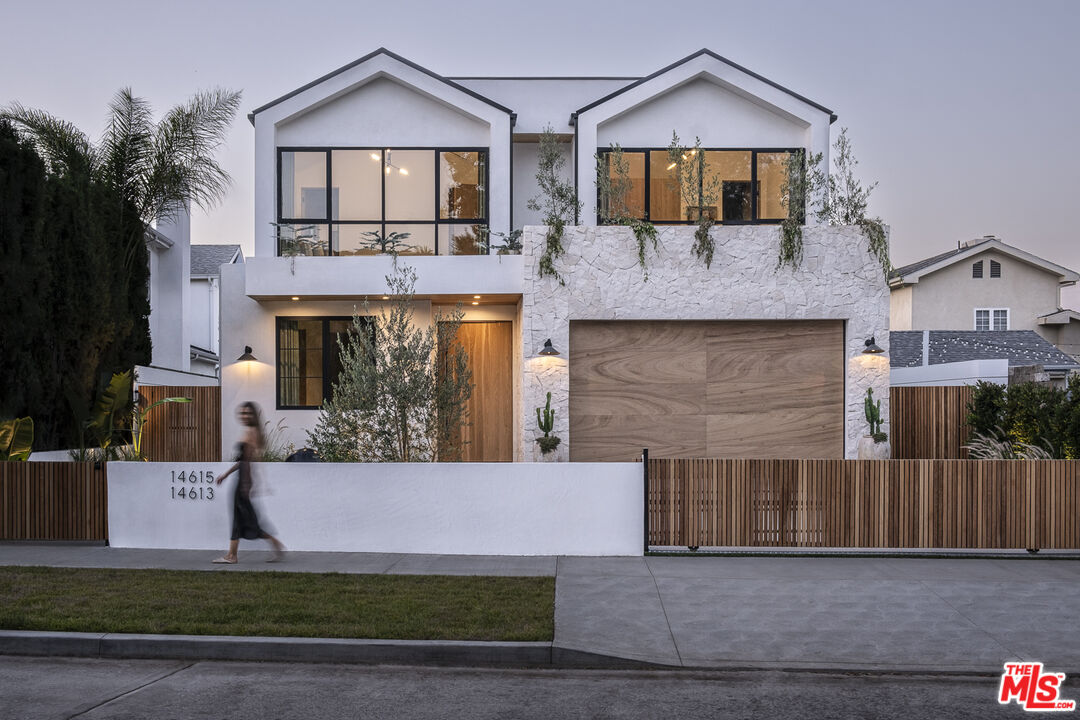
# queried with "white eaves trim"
point(1066, 276)
point(381, 64)
point(1061, 317)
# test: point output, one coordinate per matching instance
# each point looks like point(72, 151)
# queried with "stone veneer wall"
point(838, 279)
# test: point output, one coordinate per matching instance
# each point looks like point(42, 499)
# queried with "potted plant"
point(546, 422)
point(875, 445)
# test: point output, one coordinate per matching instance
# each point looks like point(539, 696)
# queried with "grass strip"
point(278, 604)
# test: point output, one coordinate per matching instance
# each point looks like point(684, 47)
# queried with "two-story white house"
point(743, 358)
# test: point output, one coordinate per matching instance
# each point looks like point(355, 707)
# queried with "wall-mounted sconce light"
point(247, 356)
point(548, 349)
point(871, 347)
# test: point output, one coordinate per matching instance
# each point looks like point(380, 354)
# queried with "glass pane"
point(360, 239)
point(303, 239)
point(665, 198)
point(461, 240)
point(339, 331)
point(1001, 319)
point(982, 319)
point(461, 184)
point(299, 361)
point(421, 240)
point(357, 184)
point(633, 201)
point(410, 185)
point(771, 176)
point(303, 185)
point(729, 172)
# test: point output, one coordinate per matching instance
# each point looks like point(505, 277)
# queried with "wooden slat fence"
point(929, 422)
point(182, 432)
point(53, 501)
point(864, 503)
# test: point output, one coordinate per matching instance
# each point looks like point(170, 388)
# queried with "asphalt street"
point(41, 688)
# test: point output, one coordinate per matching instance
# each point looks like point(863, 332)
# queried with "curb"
point(311, 650)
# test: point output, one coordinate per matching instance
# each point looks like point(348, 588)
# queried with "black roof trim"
point(354, 63)
point(710, 53)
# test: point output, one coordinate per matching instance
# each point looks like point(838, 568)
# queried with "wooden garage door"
point(749, 389)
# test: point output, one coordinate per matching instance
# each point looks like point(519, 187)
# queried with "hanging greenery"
point(557, 200)
point(700, 192)
point(838, 198)
point(614, 186)
point(803, 180)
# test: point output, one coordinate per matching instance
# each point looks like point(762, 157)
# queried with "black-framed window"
point(995, 269)
point(977, 270)
point(309, 359)
point(336, 200)
point(750, 183)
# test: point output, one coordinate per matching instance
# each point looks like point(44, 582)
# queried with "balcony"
point(357, 277)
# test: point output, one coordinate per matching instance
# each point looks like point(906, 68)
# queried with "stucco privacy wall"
point(456, 508)
point(838, 280)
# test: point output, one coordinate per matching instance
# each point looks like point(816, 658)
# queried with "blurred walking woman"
point(245, 523)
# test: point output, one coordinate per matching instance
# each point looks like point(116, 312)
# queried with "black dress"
point(245, 523)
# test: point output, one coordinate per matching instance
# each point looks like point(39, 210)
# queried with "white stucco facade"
point(385, 101)
point(838, 280)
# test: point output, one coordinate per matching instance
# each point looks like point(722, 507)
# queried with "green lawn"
point(404, 607)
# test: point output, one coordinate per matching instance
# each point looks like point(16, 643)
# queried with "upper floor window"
point(750, 184)
point(995, 269)
point(348, 201)
point(991, 318)
point(977, 269)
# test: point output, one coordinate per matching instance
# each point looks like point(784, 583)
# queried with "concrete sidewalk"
point(889, 614)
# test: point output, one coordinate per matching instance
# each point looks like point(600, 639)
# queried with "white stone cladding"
point(838, 279)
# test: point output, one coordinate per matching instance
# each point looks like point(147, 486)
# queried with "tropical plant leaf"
point(113, 399)
point(16, 438)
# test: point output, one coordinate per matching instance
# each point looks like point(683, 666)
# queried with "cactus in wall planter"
point(873, 446)
point(873, 416)
point(545, 420)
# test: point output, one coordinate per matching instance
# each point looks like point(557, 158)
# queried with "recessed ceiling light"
point(295, 298)
point(476, 297)
point(385, 297)
point(475, 303)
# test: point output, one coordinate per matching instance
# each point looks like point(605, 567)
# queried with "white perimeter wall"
point(460, 508)
point(968, 372)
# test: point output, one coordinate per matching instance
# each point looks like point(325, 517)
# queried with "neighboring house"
point(985, 284)
point(739, 359)
point(204, 305)
point(184, 306)
point(963, 357)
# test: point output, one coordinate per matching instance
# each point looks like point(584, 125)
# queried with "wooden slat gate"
point(53, 501)
point(863, 503)
point(929, 422)
point(182, 432)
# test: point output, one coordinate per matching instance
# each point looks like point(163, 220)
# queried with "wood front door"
point(489, 434)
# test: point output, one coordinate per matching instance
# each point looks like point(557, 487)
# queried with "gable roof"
point(909, 274)
point(1019, 347)
point(207, 259)
point(369, 56)
point(709, 53)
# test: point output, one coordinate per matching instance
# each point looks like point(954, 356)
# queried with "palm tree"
point(140, 172)
point(155, 170)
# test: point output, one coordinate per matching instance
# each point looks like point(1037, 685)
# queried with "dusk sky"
point(964, 112)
